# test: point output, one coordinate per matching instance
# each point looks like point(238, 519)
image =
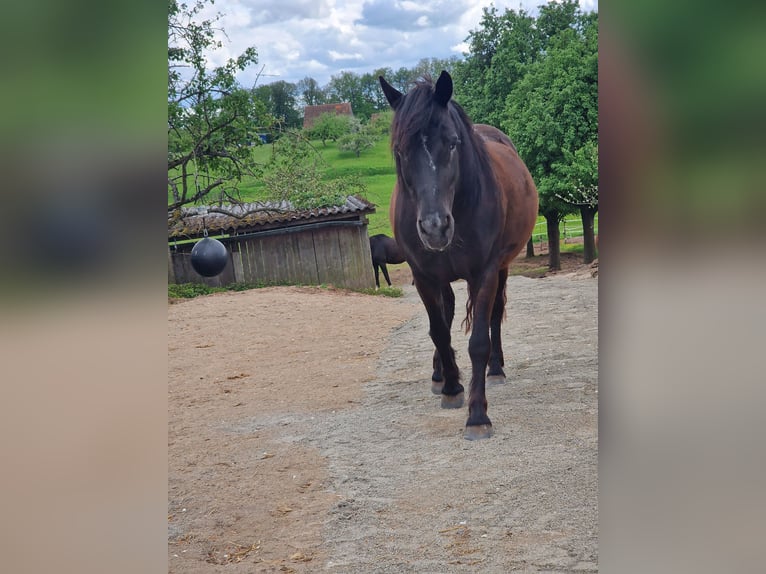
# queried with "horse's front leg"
point(478, 425)
point(448, 310)
point(445, 367)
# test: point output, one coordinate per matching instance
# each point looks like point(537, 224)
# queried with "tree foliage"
point(357, 139)
point(329, 127)
point(294, 175)
point(552, 116)
point(212, 121)
point(281, 102)
point(311, 92)
point(551, 113)
point(501, 49)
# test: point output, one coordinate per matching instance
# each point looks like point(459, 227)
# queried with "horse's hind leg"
point(452, 392)
point(495, 373)
point(448, 309)
point(385, 274)
point(377, 276)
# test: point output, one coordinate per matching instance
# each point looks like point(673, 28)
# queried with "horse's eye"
point(453, 144)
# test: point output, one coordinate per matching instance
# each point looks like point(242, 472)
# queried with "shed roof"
point(311, 113)
point(261, 216)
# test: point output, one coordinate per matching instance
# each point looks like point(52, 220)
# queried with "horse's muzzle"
point(436, 231)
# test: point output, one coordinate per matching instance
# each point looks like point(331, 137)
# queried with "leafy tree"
point(347, 87)
point(357, 139)
point(469, 75)
point(580, 170)
point(211, 119)
point(372, 93)
point(519, 46)
point(281, 101)
point(432, 67)
point(294, 176)
point(401, 79)
point(552, 116)
point(380, 125)
point(328, 126)
point(311, 93)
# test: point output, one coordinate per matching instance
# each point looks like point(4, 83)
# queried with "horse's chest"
point(448, 266)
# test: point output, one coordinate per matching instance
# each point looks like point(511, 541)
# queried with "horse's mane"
point(413, 116)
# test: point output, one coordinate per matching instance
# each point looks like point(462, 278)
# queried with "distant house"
point(311, 113)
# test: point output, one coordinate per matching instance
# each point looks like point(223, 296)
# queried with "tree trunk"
point(589, 240)
point(530, 248)
point(554, 247)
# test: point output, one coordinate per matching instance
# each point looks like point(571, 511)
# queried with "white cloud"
point(339, 56)
point(322, 38)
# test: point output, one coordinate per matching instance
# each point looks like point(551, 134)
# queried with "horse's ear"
point(443, 89)
point(393, 95)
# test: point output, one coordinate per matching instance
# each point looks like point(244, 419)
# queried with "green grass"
point(377, 171)
point(571, 226)
point(191, 290)
point(384, 291)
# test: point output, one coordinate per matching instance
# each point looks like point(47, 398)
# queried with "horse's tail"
point(468, 321)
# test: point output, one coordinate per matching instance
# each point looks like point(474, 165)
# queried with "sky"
point(322, 38)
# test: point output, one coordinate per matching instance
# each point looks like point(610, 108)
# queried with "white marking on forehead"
point(424, 139)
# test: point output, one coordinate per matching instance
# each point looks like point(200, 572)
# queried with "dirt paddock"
point(303, 436)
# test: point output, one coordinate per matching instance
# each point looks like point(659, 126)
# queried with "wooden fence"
point(333, 253)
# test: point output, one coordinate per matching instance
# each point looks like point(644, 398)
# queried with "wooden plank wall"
point(332, 255)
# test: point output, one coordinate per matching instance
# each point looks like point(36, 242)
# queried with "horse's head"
point(425, 138)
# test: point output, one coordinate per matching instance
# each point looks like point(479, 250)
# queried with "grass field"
point(376, 169)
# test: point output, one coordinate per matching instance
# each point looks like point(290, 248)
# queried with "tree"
point(401, 79)
point(501, 50)
point(311, 93)
point(580, 170)
point(211, 119)
point(432, 67)
point(294, 176)
point(357, 139)
point(347, 87)
point(380, 125)
point(281, 101)
point(328, 126)
point(552, 112)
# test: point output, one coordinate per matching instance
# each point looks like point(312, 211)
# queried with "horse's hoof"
point(452, 401)
point(478, 432)
point(496, 379)
point(436, 387)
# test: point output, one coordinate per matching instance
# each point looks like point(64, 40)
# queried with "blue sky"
point(321, 38)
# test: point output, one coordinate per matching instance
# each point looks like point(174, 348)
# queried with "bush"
point(358, 139)
point(190, 290)
point(328, 126)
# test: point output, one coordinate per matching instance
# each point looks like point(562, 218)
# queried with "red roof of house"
point(311, 113)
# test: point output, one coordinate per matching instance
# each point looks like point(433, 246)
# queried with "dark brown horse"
point(463, 207)
point(384, 250)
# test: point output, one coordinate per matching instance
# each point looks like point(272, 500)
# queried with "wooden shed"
point(311, 113)
point(277, 245)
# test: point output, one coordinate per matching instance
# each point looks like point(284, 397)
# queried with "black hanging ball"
point(209, 257)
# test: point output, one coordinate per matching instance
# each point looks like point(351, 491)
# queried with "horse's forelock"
point(412, 118)
point(413, 115)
